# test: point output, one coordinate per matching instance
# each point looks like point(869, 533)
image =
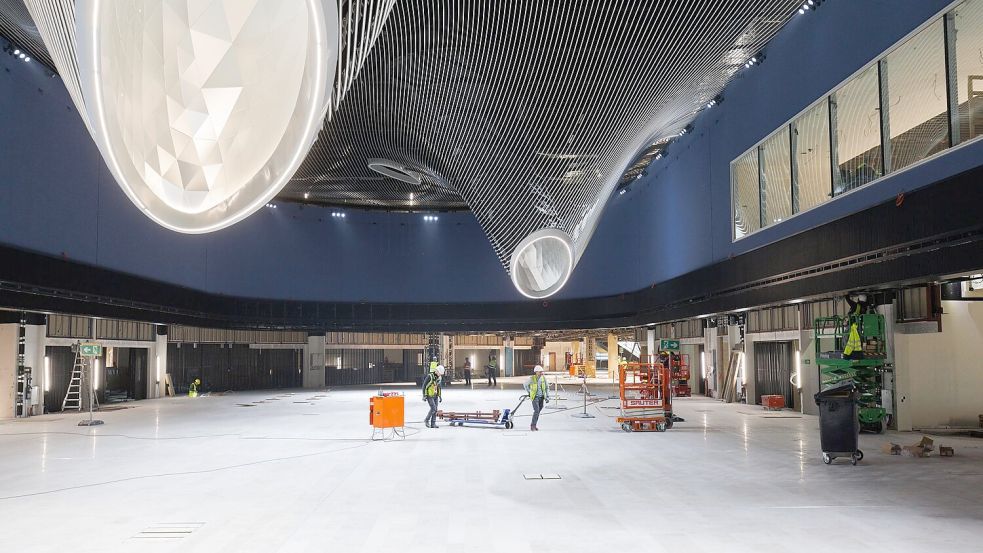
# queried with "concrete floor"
point(296, 472)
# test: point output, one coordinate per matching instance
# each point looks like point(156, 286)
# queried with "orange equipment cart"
point(387, 410)
point(646, 397)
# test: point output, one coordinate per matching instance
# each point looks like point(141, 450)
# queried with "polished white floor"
point(296, 472)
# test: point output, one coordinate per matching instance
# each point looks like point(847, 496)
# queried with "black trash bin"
point(839, 424)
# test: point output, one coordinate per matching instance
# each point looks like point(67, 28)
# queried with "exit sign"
point(91, 350)
point(669, 345)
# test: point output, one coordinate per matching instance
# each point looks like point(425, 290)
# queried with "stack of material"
point(773, 402)
point(923, 448)
point(728, 384)
point(583, 369)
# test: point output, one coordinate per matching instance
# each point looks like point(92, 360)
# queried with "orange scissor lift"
point(646, 397)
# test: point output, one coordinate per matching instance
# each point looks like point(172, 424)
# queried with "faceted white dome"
point(203, 109)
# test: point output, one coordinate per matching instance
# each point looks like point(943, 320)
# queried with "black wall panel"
point(239, 367)
point(61, 360)
point(773, 366)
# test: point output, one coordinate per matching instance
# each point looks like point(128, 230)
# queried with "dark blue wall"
point(56, 196)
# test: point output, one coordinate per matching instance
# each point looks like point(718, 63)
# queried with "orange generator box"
point(387, 411)
point(773, 403)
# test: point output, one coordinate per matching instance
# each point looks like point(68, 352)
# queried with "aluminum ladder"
point(73, 396)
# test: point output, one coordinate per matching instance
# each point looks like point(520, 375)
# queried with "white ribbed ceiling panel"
point(531, 111)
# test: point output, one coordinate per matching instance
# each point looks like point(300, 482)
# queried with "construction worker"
point(467, 371)
point(431, 393)
point(539, 393)
point(491, 370)
point(858, 304)
point(193, 390)
point(853, 348)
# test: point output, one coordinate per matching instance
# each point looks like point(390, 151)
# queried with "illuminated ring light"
point(205, 124)
point(541, 264)
point(394, 170)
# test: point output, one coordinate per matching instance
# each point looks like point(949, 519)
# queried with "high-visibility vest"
point(853, 342)
point(533, 386)
point(432, 384)
point(433, 366)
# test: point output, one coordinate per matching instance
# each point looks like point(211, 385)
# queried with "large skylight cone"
point(204, 109)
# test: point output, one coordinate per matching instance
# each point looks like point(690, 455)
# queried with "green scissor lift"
point(866, 370)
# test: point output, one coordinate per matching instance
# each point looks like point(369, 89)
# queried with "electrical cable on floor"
point(598, 409)
point(162, 438)
point(96, 435)
point(571, 408)
point(184, 473)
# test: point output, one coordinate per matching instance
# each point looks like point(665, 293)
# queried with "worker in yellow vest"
point(853, 348)
point(193, 390)
point(539, 393)
point(491, 371)
point(431, 393)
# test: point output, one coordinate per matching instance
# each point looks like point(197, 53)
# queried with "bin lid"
point(840, 390)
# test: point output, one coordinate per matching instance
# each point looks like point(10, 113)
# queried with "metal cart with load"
point(495, 419)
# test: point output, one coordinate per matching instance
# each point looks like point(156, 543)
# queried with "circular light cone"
point(542, 263)
point(204, 110)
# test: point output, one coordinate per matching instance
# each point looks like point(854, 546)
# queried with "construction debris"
point(946, 451)
point(922, 448)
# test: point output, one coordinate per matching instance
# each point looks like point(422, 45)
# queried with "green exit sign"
point(91, 350)
point(669, 345)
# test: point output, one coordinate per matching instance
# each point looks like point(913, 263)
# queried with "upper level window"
point(968, 39)
point(923, 96)
point(856, 117)
point(747, 206)
point(776, 179)
point(916, 98)
point(811, 170)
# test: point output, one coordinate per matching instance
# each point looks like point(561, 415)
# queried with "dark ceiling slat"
point(17, 26)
